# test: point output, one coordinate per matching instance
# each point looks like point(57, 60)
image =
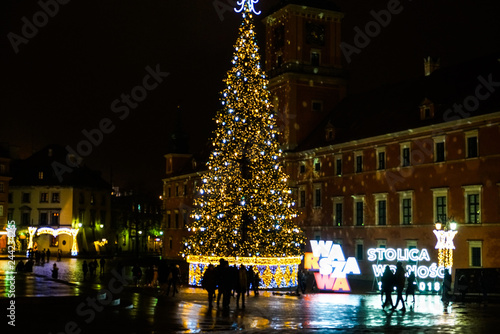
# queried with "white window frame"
point(475, 244)
point(439, 192)
point(338, 200)
point(469, 134)
point(378, 198)
point(402, 146)
point(357, 199)
point(407, 194)
point(439, 139)
point(378, 151)
point(472, 190)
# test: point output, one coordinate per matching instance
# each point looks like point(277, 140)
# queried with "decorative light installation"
point(445, 246)
point(245, 209)
point(55, 232)
point(273, 272)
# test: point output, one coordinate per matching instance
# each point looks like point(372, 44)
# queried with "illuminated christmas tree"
point(245, 208)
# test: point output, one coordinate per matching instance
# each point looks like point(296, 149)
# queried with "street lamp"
point(445, 246)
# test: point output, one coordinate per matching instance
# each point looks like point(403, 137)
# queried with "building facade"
point(4, 195)
point(377, 170)
point(71, 215)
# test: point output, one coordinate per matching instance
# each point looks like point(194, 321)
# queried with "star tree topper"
point(249, 4)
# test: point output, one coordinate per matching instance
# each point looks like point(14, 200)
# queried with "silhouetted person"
point(174, 277)
point(410, 289)
point(241, 286)
point(399, 281)
point(85, 269)
point(20, 266)
point(255, 283)
point(250, 275)
point(102, 263)
point(137, 273)
point(55, 271)
point(387, 287)
point(48, 255)
point(446, 290)
point(209, 283)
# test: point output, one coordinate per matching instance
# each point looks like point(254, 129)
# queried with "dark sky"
point(65, 78)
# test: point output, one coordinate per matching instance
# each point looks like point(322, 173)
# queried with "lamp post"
point(445, 246)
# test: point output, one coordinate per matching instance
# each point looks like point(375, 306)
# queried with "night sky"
point(64, 78)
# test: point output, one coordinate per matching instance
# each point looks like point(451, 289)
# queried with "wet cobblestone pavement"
point(73, 306)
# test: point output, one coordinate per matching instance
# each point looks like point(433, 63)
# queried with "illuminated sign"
point(251, 7)
point(415, 257)
point(332, 268)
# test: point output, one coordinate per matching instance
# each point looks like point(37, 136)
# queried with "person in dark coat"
point(387, 287)
point(48, 255)
point(446, 290)
point(85, 269)
point(241, 286)
point(399, 282)
point(250, 275)
point(410, 289)
point(209, 283)
point(55, 272)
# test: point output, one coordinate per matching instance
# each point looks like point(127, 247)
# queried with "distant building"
point(137, 220)
point(4, 196)
point(378, 169)
point(59, 213)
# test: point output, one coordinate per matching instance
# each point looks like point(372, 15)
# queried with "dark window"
point(359, 214)
point(472, 147)
point(359, 252)
point(409, 260)
point(169, 220)
point(185, 190)
point(441, 209)
point(302, 169)
point(317, 106)
point(169, 191)
point(406, 156)
point(11, 197)
point(302, 198)
point(339, 166)
point(185, 217)
point(473, 208)
point(81, 199)
point(427, 113)
point(406, 211)
point(26, 198)
point(382, 212)
point(176, 190)
point(317, 200)
point(440, 152)
point(55, 198)
point(359, 163)
point(177, 220)
point(44, 218)
point(25, 218)
point(92, 199)
point(315, 56)
point(279, 36)
point(338, 214)
point(381, 160)
point(476, 256)
point(317, 166)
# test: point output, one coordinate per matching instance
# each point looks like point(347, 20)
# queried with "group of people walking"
point(160, 275)
point(397, 280)
point(92, 267)
point(228, 280)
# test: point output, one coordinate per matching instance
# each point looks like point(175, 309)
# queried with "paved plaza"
point(111, 303)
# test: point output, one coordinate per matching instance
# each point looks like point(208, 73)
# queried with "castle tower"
point(304, 65)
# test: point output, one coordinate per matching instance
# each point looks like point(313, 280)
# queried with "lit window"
point(44, 197)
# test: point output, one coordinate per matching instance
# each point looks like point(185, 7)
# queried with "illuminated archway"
point(55, 232)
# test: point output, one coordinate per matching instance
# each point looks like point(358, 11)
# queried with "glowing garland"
point(47, 230)
point(273, 272)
